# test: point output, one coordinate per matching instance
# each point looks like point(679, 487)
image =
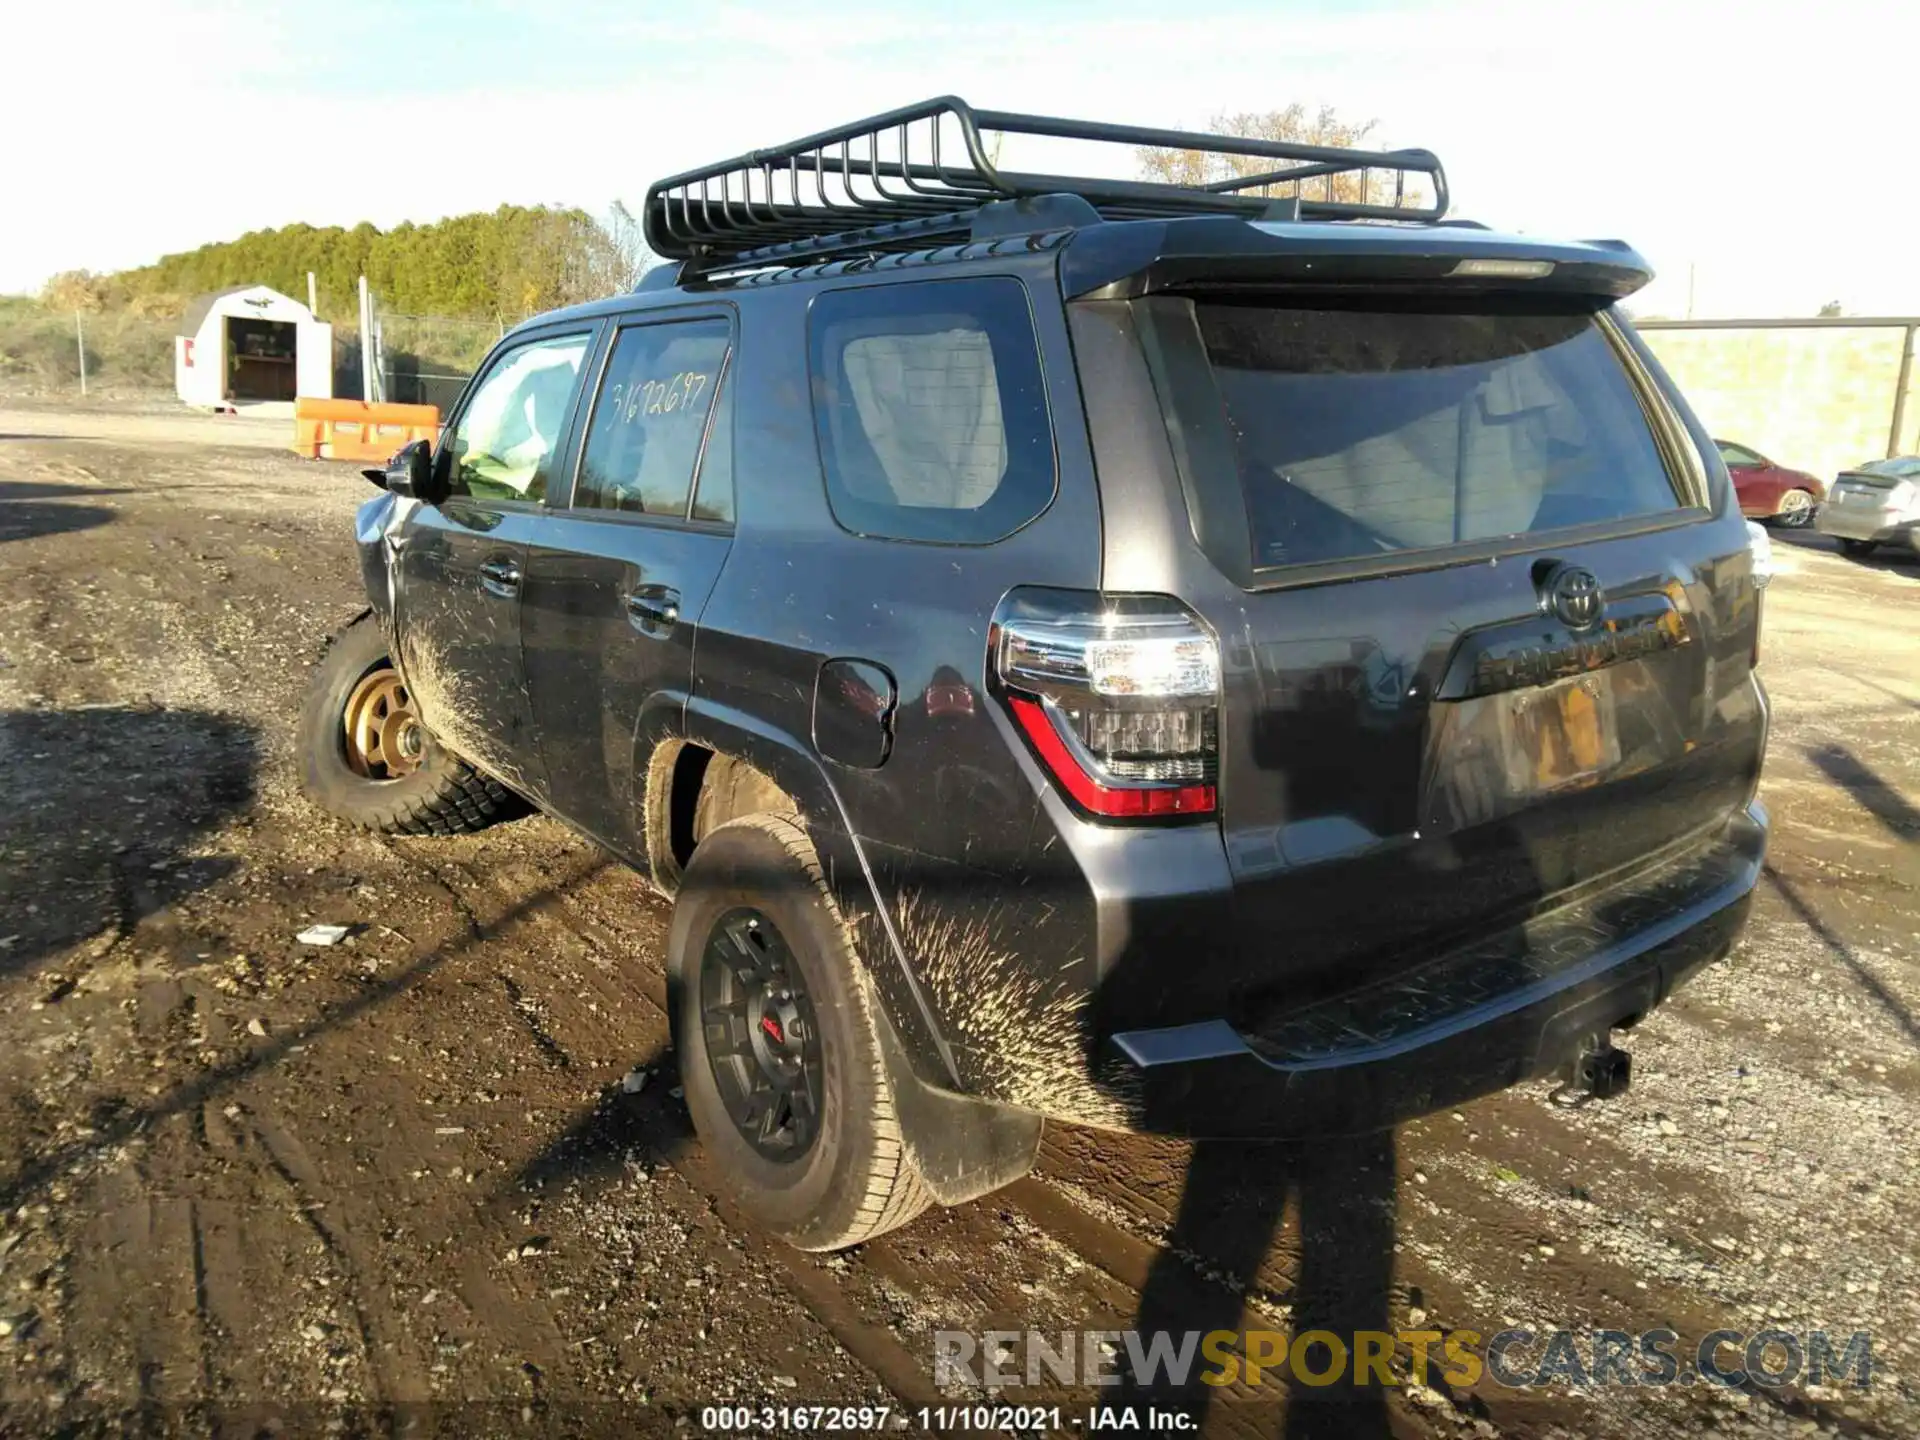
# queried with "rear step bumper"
point(1513, 1006)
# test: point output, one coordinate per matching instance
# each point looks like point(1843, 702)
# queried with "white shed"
point(251, 345)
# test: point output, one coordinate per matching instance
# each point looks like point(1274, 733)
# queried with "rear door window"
point(1366, 429)
point(649, 422)
point(931, 410)
point(713, 496)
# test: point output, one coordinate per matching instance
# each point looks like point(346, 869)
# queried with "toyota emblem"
point(1574, 595)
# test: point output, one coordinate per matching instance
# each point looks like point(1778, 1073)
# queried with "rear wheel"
point(778, 1053)
point(367, 758)
point(1859, 547)
point(1796, 509)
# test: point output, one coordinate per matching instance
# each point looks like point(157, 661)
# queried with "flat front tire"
point(779, 1055)
point(365, 756)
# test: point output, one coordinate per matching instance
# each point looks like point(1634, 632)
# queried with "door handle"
point(654, 609)
point(501, 578)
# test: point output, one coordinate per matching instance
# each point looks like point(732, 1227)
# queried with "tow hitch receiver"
point(1597, 1071)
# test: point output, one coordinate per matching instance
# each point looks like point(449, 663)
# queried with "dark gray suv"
point(1257, 661)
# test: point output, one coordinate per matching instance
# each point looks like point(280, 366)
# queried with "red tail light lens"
point(1118, 696)
point(1076, 778)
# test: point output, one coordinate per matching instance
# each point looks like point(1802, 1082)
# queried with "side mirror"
point(411, 474)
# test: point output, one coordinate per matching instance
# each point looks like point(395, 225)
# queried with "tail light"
point(1119, 697)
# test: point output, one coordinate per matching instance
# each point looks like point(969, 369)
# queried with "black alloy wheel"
point(762, 1040)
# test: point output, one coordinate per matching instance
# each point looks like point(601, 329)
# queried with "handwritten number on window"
point(644, 398)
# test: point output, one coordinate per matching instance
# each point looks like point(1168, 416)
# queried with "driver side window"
point(503, 446)
point(1738, 457)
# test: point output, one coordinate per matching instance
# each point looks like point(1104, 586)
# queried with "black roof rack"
point(911, 176)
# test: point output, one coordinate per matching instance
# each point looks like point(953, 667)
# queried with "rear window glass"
point(1365, 430)
point(1901, 466)
point(931, 410)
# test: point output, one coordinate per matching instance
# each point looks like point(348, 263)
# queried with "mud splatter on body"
point(1028, 1039)
point(446, 704)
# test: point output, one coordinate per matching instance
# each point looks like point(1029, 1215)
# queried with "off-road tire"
point(444, 796)
point(1859, 548)
point(856, 1180)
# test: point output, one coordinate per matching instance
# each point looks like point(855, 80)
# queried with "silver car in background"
point(1874, 504)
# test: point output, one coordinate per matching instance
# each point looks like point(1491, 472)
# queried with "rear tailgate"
point(1865, 490)
point(1486, 645)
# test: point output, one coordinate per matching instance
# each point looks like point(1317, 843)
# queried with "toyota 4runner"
point(1260, 660)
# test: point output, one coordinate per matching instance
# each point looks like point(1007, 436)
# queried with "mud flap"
point(963, 1148)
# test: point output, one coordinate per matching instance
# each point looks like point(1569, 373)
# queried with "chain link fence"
point(427, 359)
point(49, 351)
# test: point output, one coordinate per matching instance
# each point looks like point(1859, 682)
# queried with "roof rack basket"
point(911, 176)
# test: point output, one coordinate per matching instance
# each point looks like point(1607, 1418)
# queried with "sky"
point(1764, 163)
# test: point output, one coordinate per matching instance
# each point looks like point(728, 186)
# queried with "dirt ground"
point(399, 1186)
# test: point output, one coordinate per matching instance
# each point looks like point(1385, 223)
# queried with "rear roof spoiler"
point(1125, 260)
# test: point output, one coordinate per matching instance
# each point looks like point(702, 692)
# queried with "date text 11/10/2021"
point(943, 1419)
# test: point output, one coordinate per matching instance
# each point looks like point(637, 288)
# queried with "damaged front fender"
point(378, 535)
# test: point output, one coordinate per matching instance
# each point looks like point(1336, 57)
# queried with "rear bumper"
point(1510, 1007)
point(1867, 524)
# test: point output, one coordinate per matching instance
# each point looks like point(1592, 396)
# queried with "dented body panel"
point(375, 525)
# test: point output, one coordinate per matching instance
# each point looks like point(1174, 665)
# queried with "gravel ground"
point(404, 1183)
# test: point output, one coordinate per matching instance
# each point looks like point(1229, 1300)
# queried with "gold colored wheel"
point(383, 736)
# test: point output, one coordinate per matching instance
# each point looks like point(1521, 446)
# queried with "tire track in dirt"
point(902, 1372)
point(520, 917)
point(392, 1375)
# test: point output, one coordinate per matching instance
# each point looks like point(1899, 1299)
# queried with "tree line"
point(518, 260)
point(501, 265)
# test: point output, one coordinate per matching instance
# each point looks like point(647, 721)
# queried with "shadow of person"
point(104, 806)
point(1869, 788)
point(1232, 1209)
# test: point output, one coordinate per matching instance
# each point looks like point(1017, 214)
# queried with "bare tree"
point(606, 256)
point(629, 257)
point(1195, 168)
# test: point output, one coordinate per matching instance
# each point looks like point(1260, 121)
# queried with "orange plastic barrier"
point(355, 430)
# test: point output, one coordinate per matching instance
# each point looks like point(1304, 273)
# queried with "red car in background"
point(1768, 491)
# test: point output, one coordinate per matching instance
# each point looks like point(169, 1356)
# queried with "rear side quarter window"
point(930, 407)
